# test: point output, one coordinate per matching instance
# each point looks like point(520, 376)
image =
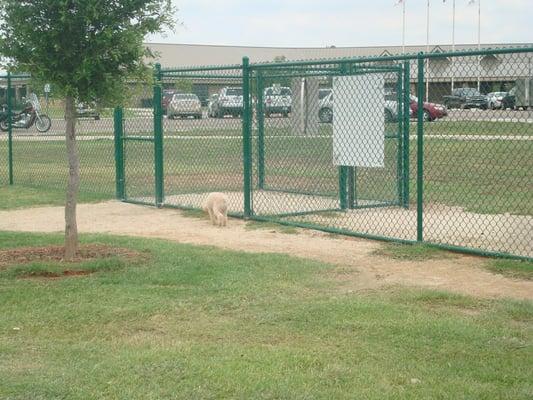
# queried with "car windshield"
point(185, 97)
point(470, 92)
point(234, 92)
point(278, 92)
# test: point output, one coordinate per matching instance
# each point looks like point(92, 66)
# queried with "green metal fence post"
point(406, 116)
point(158, 138)
point(346, 173)
point(260, 133)
point(420, 152)
point(9, 129)
point(399, 136)
point(246, 138)
point(119, 152)
point(343, 183)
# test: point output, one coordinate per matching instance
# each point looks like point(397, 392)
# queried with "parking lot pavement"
point(143, 124)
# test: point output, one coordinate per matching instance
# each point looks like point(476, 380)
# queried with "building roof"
point(182, 55)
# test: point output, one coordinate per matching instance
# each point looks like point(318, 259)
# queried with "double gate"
point(266, 162)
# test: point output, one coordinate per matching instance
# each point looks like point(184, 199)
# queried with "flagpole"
point(403, 27)
point(479, 43)
point(453, 43)
point(427, 51)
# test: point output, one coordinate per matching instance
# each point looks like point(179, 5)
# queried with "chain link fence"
point(434, 148)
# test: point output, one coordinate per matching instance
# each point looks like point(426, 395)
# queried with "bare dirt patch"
point(25, 255)
point(358, 269)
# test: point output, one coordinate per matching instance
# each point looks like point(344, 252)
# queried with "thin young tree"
point(87, 50)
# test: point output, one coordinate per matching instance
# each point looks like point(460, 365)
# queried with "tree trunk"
point(71, 227)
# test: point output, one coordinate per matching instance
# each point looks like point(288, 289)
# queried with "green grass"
point(512, 268)
point(22, 197)
point(484, 177)
point(445, 127)
point(194, 214)
point(197, 322)
point(255, 225)
point(411, 252)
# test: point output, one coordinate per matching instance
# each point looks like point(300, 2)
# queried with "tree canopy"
point(85, 48)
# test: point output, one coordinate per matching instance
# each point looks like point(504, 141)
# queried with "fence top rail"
point(14, 76)
point(165, 71)
point(404, 57)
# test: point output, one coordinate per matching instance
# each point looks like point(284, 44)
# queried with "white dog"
point(216, 205)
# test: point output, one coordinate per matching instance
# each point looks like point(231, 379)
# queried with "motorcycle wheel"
point(43, 124)
point(3, 125)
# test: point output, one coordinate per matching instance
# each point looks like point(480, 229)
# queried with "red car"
point(432, 111)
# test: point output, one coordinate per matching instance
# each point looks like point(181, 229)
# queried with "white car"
point(277, 100)
point(229, 102)
point(494, 99)
point(184, 105)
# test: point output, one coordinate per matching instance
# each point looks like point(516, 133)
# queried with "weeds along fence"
point(406, 148)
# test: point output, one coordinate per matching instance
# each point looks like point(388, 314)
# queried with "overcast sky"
point(319, 23)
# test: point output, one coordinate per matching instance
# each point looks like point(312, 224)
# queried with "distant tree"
point(87, 50)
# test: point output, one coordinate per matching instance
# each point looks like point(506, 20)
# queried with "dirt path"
point(360, 269)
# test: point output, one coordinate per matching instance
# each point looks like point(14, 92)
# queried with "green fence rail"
point(434, 148)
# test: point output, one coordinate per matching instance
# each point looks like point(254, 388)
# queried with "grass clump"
point(512, 268)
point(412, 252)
point(271, 226)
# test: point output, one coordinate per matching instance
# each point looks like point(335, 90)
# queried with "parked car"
point(432, 111)
point(184, 105)
point(87, 110)
point(229, 102)
point(466, 98)
point(277, 100)
point(326, 107)
point(509, 100)
point(167, 97)
point(494, 100)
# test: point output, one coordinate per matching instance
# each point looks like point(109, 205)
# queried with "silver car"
point(184, 105)
point(494, 99)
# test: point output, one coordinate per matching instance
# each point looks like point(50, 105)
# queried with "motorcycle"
point(25, 119)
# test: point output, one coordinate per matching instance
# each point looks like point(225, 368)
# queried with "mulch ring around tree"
point(55, 254)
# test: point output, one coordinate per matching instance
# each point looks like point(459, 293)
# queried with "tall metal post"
point(158, 138)
point(247, 138)
point(260, 133)
point(420, 153)
point(399, 135)
point(343, 180)
point(406, 129)
point(346, 173)
point(9, 129)
point(119, 152)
